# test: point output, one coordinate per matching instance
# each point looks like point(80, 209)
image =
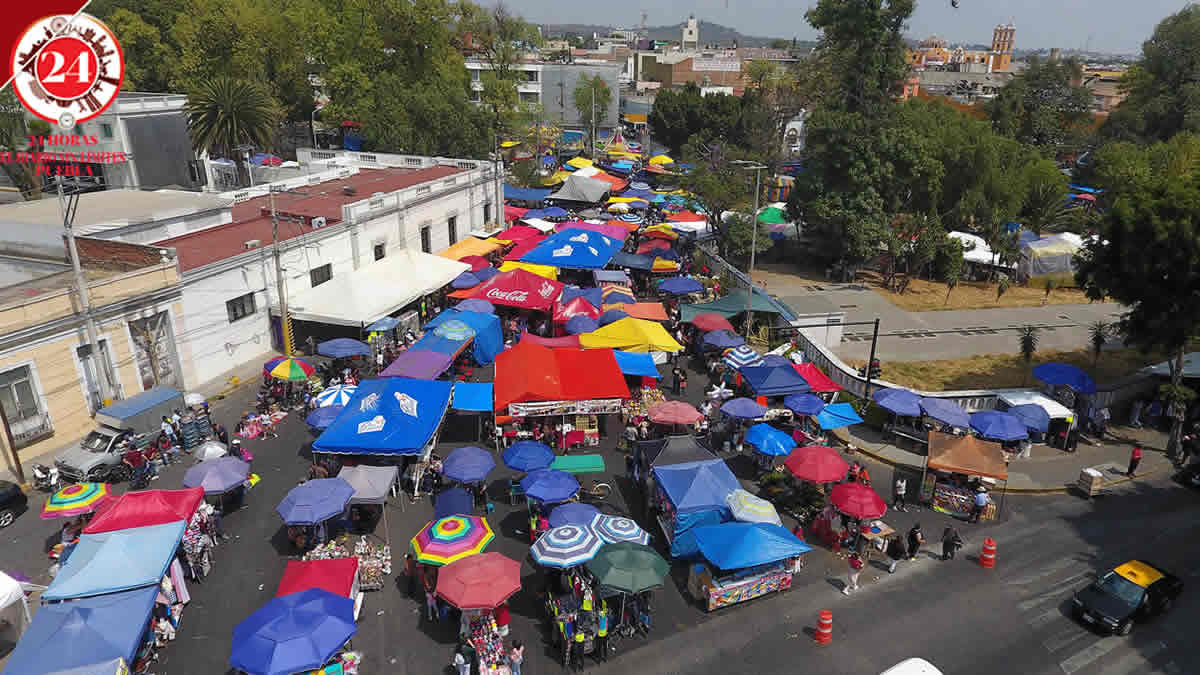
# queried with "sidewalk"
point(1049, 470)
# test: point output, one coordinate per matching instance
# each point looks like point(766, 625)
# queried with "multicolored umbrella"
point(613, 529)
point(629, 567)
point(270, 365)
point(480, 581)
point(336, 395)
point(742, 357)
point(456, 330)
point(631, 218)
point(674, 412)
point(573, 513)
point(857, 501)
point(566, 546)
point(76, 500)
point(443, 541)
point(292, 369)
point(817, 463)
point(750, 509)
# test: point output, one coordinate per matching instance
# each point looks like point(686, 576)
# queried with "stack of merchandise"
point(204, 425)
point(328, 551)
point(639, 406)
point(198, 541)
point(191, 435)
point(489, 647)
point(374, 564)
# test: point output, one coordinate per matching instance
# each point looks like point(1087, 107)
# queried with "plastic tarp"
point(419, 364)
point(110, 562)
point(551, 212)
point(489, 337)
point(85, 634)
point(774, 380)
point(388, 416)
point(632, 335)
point(975, 249)
point(564, 342)
point(632, 261)
point(544, 271)
point(592, 295)
point(538, 224)
point(612, 276)
point(729, 306)
point(148, 507)
point(575, 249)
point(335, 575)
point(525, 194)
point(518, 233)
point(735, 546)
point(371, 484)
point(578, 306)
point(471, 246)
point(1066, 375)
point(522, 247)
point(519, 288)
point(635, 364)
point(649, 311)
point(970, 455)
point(1047, 256)
point(512, 213)
point(376, 289)
point(1054, 409)
point(582, 189)
point(530, 372)
point(472, 396)
point(818, 381)
point(696, 486)
point(838, 415)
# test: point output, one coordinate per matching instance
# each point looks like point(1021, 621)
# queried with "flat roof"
point(112, 207)
point(207, 246)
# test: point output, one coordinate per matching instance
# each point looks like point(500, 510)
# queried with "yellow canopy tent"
point(557, 178)
point(509, 144)
point(664, 265)
point(472, 246)
point(623, 155)
point(624, 200)
point(546, 271)
point(661, 159)
point(631, 335)
point(579, 162)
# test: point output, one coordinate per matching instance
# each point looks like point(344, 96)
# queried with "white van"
point(913, 667)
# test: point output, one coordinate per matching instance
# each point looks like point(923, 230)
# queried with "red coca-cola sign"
point(520, 288)
point(508, 296)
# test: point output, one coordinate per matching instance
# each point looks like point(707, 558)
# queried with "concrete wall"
point(61, 303)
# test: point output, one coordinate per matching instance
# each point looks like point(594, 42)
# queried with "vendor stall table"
point(577, 464)
point(716, 593)
point(374, 561)
point(876, 529)
point(484, 638)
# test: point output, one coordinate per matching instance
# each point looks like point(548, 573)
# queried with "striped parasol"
point(336, 395)
point(750, 509)
point(631, 218)
point(566, 546)
point(76, 500)
point(292, 369)
point(613, 529)
point(456, 330)
point(443, 541)
point(742, 357)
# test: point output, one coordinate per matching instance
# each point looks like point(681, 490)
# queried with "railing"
point(32, 432)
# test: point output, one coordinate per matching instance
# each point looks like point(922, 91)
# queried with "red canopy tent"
point(530, 372)
point(566, 341)
point(512, 213)
point(336, 575)
point(518, 232)
point(817, 381)
point(710, 321)
point(578, 306)
point(142, 509)
point(523, 246)
point(519, 288)
point(477, 262)
point(686, 217)
point(652, 245)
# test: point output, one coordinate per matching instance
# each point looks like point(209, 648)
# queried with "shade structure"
point(519, 232)
point(711, 321)
point(468, 464)
point(550, 486)
point(999, 426)
point(120, 560)
point(519, 288)
point(371, 484)
point(339, 394)
point(418, 364)
point(452, 538)
point(485, 273)
point(454, 329)
point(1065, 375)
point(573, 513)
point(574, 248)
point(577, 325)
point(315, 501)
point(776, 360)
point(772, 215)
point(270, 365)
point(383, 325)
point(674, 412)
point(566, 546)
point(735, 546)
point(637, 364)
point(1032, 415)
point(476, 305)
point(292, 370)
point(465, 280)
point(743, 408)
point(769, 441)
point(742, 357)
point(804, 404)
point(817, 381)
point(569, 308)
point(473, 396)
point(612, 316)
point(477, 262)
point(838, 415)
point(388, 416)
point(967, 455)
point(722, 339)
point(323, 417)
point(731, 305)
point(343, 347)
point(660, 160)
point(334, 575)
point(629, 567)
point(774, 380)
point(480, 581)
point(145, 508)
point(857, 501)
point(453, 502)
point(898, 401)
point(632, 335)
point(210, 450)
point(293, 633)
point(76, 500)
point(531, 373)
point(945, 411)
point(217, 476)
point(747, 508)
point(614, 529)
point(528, 456)
point(817, 463)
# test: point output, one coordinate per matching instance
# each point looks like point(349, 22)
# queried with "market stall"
point(296, 633)
point(308, 507)
point(956, 469)
point(1060, 418)
point(686, 496)
point(338, 575)
point(743, 561)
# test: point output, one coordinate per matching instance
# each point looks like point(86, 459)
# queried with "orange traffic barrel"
point(824, 634)
point(987, 557)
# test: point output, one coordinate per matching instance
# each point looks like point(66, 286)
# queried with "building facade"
point(552, 85)
point(935, 53)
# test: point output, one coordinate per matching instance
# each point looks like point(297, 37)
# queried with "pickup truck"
point(98, 456)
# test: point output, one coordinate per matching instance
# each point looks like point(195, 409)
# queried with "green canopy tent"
point(729, 306)
point(772, 216)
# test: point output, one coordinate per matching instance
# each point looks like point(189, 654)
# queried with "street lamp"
point(756, 167)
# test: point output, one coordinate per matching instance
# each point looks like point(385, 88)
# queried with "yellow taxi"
point(1126, 594)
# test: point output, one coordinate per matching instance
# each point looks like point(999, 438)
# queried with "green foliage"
point(524, 174)
point(1028, 342)
point(224, 113)
point(680, 116)
point(1043, 106)
point(148, 57)
point(739, 235)
point(592, 97)
point(1002, 285)
point(1098, 334)
point(866, 45)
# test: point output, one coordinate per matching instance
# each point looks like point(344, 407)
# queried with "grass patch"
point(930, 296)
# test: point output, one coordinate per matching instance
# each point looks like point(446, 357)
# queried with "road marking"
point(1065, 586)
point(1060, 564)
point(1063, 638)
point(1088, 655)
point(1045, 618)
point(1137, 660)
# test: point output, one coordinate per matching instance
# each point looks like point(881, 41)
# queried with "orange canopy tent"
point(530, 372)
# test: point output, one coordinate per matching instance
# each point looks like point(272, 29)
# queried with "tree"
point(865, 41)
point(14, 138)
point(739, 235)
point(148, 57)
point(501, 40)
point(224, 114)
point(1027, 343)
point(1044, 105)
point(719, 185)
point(592, 97)
point(1098, 334)
point(949, 264)
point(675, 116)
point(1002, 286)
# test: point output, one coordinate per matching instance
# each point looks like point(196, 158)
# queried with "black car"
point(12, 502)
point(1126, 594)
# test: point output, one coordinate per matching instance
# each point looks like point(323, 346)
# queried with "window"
point(474, 75)
point(319, 275)
point(452, 228)
point(240, 307)
point(529, 97)
point(106, 130)
point(531, 76)
point(380, 251)
point(17, 395)
point(487, 213)
point(426, 240)
point(476, 96)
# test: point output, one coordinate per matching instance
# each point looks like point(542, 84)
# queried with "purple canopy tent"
point(419, 364)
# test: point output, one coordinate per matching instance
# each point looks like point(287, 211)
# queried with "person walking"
point(577, 650)
point(899, 489)
point(602, 635)
point(431, 608)
point(1135, 458)
point(676, 378)
point(951, 542)
point(516, 657)
point(856, 565)
point(915, 539)
point(896, 552)
point(410, 571)
point(981, 502)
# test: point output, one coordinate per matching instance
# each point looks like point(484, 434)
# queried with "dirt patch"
point(930, 296)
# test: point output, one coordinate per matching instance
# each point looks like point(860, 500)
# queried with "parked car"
point(97, 458)
point(913, 667)
point(1127, 594)
point(13, 502)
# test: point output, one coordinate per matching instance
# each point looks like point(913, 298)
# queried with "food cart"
point(955, 468)
point(743, 561)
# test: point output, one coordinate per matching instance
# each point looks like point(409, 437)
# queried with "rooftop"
point(252, 219)
point(105, 209)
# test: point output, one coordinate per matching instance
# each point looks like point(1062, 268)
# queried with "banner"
point(597, 406)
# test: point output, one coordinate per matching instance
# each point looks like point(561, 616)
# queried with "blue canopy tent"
point(343, 347)
point(612, 316)
point(574, 248)
point(696, 492)
point(323, 417)
point(899, 401)
point(769, 441)
point(999, 426)
point(525, 194)
point(593, 295)
point(74, 635)
point(465, 280)
point(632, 261)
point(388, 416)
point(1065, 375)
point(680, 286)
point(946, 412)
point(838, 415)
point(1032, 415)
point(735, 546)
point(455, 501)
point(777, 360)
point(476, 304)
point(552, 212)
point(774, 380)
point(489, 338)
point(636, 364)
point(722, 339)
point(581, 324)
point(611, 276)
point(472, 397)
point(804, 404)
point(109, 562)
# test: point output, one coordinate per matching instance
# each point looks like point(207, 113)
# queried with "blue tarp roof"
point(552, 212)
point(632, 261)
point(1066, 375)
point(574, 248)
point(592, 295)
point(774, 380)
point(696, 485)
point(136, 404)
point(618, 276)
point(735, 546)
point(388, 416)
point(525, 194)
point(489, 338)
point(638, 365)
point(71, 636)
point(838, 415)
point(121, 560)
point(473, 396)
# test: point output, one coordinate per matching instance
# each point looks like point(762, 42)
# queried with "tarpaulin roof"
point(489, 337)
point(729, 306)
point(371, 484)
point(838, 415)
point(513, 212)
point(774, 380)
point(538, 224)
point(675, 450)
point(817, 380)
point(637, 365)
point(566, 341)
point(471, 246)
point(472, 396)
point(735, 546)
point(582, 189)
point(966, 454)
point(1053, 408)
point(696, 485)
point(632, 261)
point(615, 184)
point(633, 335)
point(388, 416)
point(544, 271)
point(1067, 375)
point(116, 561)
point(686, 217)
point(592, 295)
point(89, 632)
point(530, 372)
point(574, 248)
point(149, 507)
point(550, 212)
point(648, 311)
point(525, 194)
point(518, 233)
point(578, 306)
point(618, 232)
point(519, 288)
point(614, 276)
point(419, 364)
point(579, 162)
point(335, 575)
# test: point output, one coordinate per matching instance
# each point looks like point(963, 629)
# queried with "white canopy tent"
point(1191, 367)
point(14, 608)
point(1054, 409)
point(975, 249)
point(538, 223)
point(376, 289)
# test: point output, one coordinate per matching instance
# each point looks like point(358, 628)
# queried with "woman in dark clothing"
point(951, 542)
point(915, 539)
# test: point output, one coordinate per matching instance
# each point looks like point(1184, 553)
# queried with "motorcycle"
point(46, 478)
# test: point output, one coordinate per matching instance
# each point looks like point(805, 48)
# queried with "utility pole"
point(497, 178)
point(592, 139)
point(285, 326)
point(871, 362)
point(104, 378)
point(757, 168)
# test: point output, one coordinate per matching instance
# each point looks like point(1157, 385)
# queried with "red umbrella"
point(817, 463)
point(477, 262)
point(1086, 197)
point(674, 412)
point(857, 501)
point(651, 245)
point(712, 321)
point(480, 581)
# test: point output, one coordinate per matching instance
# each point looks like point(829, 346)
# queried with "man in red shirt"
point(1135, 458)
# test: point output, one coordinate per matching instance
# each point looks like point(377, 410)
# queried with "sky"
point(1118, 26)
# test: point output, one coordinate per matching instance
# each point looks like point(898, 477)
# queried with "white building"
point(552, 85)
point(689, 34)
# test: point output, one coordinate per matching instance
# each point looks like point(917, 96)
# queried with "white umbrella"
point(750, 509)
point(210, 450)
point(336, 395)
point(194, 399)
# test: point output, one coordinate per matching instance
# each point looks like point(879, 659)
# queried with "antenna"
point(644, 15)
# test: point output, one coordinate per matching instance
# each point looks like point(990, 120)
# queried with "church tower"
point(1002, 46)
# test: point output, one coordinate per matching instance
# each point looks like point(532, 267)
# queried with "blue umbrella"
point(1066, 375)
point(722, 339)
point(838, 415)
point(455, 329)
point(612, 316)
point(776, 360)
point(323, 417)
point(548, 485)
point(741, 357)
point(566, 546)
point(573, 513)
point(743, 408)
point(383, 325)
point(618, 298)
point(343, 347)
point(217, 476)
point(315, 501)
point(804, 404)
point(465, 280)
point(1032, 415)
point(768, 440)
point(453, 502)
point(998, 426)
point(899, 401)
point(680, 286)
point(485, 273)
point(293, 633)
point(468, 465)
point(945, 411)
point(478, 305)
point(528, 456)
point(581, 323)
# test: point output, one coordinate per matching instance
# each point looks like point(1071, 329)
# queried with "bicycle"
point(596, 491)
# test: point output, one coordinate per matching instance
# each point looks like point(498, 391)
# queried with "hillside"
point(709, 33)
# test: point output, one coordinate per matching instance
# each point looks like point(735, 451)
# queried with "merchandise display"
point(374, 561)
point(953, 500)
point(484, 637)
point(639, 406)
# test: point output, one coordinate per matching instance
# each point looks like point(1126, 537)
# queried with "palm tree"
point(1046, 209)
point(1028, 343)
point(1098, 334)
point(225, 113)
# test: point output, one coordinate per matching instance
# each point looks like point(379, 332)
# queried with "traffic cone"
point(987, 557)
point(824, 633)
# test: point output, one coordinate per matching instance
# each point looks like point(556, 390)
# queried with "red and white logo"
point(546, 290)
point(509, 296)
point(67, 70)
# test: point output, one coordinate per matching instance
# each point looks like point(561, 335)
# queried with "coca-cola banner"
point(520, 288)
point(597, 406)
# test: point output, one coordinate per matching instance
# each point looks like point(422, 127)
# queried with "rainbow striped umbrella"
point(443, 541)
point(76, 500)
point(292, 369)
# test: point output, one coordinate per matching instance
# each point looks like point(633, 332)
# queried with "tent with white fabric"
point(14, 608)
